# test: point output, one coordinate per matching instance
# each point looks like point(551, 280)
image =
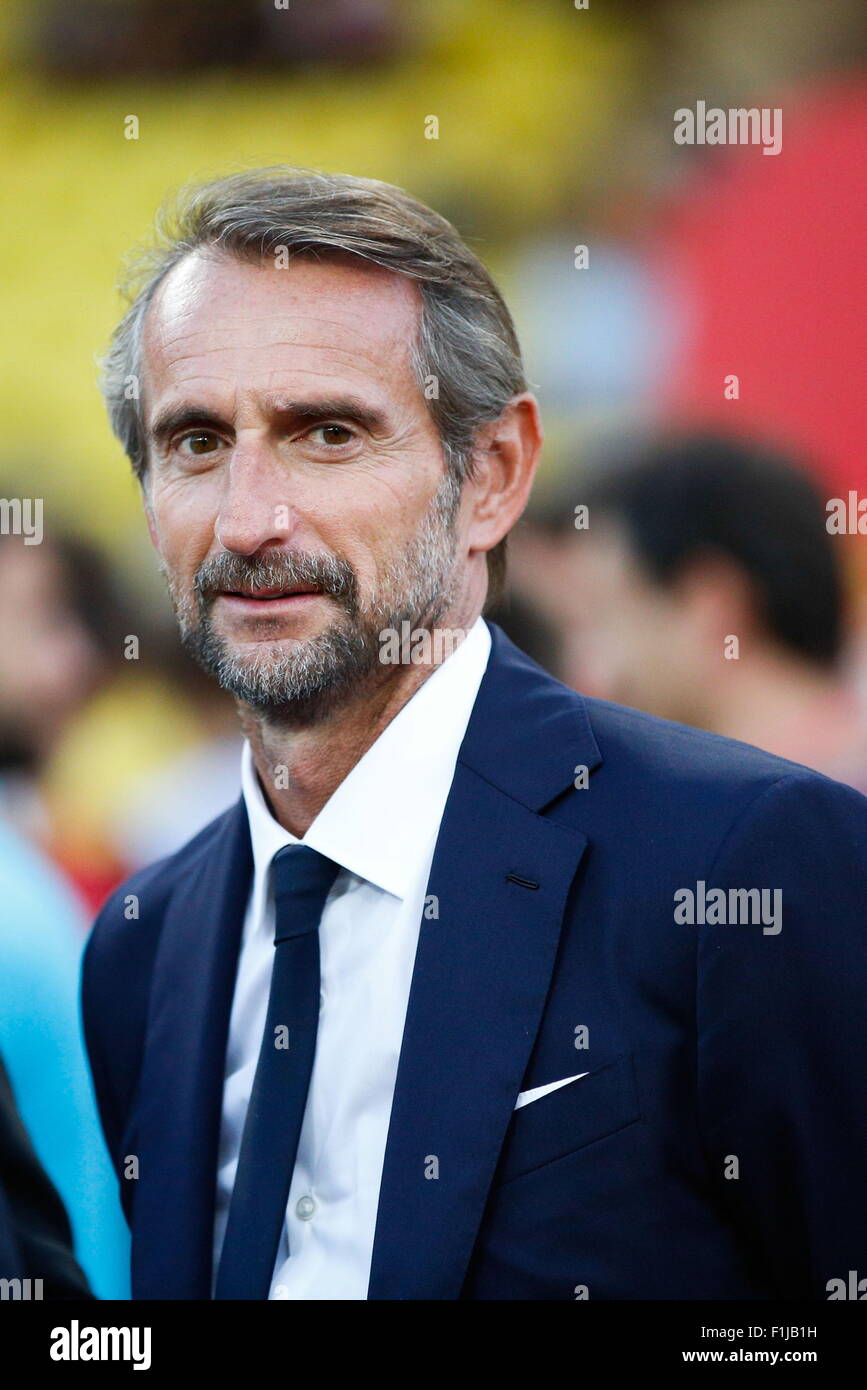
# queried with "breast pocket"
point(570, 1117)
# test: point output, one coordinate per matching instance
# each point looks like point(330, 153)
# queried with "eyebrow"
point(181, 417)
point(327, 407)
point(168, 422)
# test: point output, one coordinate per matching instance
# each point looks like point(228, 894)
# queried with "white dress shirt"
point(380, 826)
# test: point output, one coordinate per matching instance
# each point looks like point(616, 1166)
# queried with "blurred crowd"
point(693, 325)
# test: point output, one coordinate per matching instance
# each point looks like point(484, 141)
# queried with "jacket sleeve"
point(781, 1035)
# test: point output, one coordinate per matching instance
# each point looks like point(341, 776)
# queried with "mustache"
point(279, 569)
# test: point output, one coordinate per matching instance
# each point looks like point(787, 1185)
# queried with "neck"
point(788, 707)
point(300, 768)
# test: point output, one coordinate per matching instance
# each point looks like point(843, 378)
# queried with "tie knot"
point(302, 881)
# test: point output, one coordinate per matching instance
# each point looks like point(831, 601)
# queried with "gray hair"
point(466, 356)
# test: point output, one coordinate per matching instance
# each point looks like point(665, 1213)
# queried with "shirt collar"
point(382, 820)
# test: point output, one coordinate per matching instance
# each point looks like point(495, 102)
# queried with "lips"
point(268, 595)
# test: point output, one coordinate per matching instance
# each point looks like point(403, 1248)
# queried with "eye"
point(200, 442)
point(333, 435)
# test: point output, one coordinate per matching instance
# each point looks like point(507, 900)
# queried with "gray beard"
point(304, 685)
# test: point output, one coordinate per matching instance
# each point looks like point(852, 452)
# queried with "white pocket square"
point(526, 1097)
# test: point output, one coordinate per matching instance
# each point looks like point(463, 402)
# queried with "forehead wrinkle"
point(181, 345)
point(351, 304)
point(306, 316)
point(278, 381)
point(353, 364)
point(352, 358)
point(166, 342)
point(367, 391)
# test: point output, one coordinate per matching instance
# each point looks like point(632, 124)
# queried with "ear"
point(719, 595)
point(505, 458)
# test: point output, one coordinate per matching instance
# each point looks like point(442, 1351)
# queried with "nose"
point(255, 510)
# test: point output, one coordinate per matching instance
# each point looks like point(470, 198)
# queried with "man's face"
point(627, 638)
point(295, 483)
point(49, 663)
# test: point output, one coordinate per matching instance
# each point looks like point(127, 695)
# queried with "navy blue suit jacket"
point(716, 1148)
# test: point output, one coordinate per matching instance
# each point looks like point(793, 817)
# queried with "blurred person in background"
point(707, 589)
point(49, 667)
point(52, 659)
point(36, 1255)
point(526, 625)
point(161, 804)
point(41, 939)
point(59, 633)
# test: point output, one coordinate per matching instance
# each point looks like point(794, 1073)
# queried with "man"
point(706, 588)
point(429, 1014)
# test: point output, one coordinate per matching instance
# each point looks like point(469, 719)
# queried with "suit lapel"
point(482, 973)
point(178, 1114)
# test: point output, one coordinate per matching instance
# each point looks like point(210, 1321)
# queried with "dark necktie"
point(302, 879)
